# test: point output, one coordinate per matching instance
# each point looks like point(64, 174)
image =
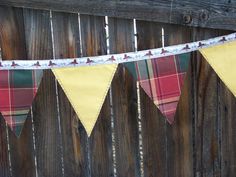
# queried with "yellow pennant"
point(86, 88)
point(222, 58)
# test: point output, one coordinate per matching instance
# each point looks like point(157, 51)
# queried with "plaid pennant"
point(162, 80)
point(17, 91)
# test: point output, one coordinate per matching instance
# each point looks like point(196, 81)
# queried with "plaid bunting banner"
point(17, 91)
point(162, 80)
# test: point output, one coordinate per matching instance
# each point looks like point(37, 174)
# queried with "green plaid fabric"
point(162, 80)
point(17, 91)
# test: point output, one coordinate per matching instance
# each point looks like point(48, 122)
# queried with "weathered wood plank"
point(207, 138)
point(13, 46)
point(213, 14)
point(37, 34)
point(67, 45)
point(47, 135)
point(153, 123)
point(227, 106)
point(179, 135)
point(225, 129)
point(66, 35)
point(21, 150)
point(100, 146)
point(12, 33)
point(121, 37)
point(93, 35)
point(153, 132)
point(4, 163)
point(176, 139)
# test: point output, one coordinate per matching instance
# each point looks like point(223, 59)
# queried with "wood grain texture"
point(207, 149)
point(153, 133)
point(22, 156)
point(13, 46)
point(44, 108)
point(39, 46)
point(37, 34)
point(207, 123)
point(66, 35)
point(175, 145)
point(4, 163)
point(227, 105)
point(121, 37)
point(12, 33)
point(47, 134)
point(214, 14)
point(179, 135)
point(67, 45)
point(100, 146)
point(153, 123)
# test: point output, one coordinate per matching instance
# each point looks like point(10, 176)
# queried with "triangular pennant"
point(17, 91)
point(86, 88)
point(222, 58)
point(162, 79)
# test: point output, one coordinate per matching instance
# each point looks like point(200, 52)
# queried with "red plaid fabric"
point(17, 91)
point(162, 80)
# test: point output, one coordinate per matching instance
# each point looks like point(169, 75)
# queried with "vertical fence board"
point(121, 37)
point(226, 130)
point(47, 135)
point(45, 105)
point(4, 163)
point(39, 46)
point(22, 156)
point(37, 34)
point(13, 46)
point(154, 146)
point(12, 33)
point(94, 43)
point(153, 123)
point(179, 135)
point(227, 112)
point(207, 149)
point(67, 45)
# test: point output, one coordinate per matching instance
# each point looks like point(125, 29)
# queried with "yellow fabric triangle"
point(86, 88)
point(222, 58)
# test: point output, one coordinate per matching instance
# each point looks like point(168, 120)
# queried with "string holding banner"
point(116, 58)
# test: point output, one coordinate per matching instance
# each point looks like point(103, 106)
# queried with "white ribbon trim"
point(115, 58)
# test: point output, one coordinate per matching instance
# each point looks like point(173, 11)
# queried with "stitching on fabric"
point(103, 98)
point(67, 95)
point(105, 94)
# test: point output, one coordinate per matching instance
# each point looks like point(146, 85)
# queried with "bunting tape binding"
point(115, 58)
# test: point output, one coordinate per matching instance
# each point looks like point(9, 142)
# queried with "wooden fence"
point(53, 143)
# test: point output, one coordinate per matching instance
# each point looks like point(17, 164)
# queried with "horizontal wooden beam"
point(217, 14)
